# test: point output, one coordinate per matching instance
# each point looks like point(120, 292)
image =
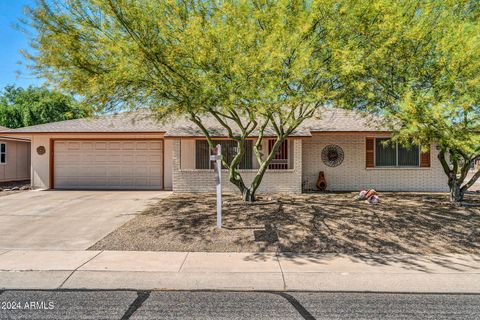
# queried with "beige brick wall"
point(191, 180)
point(352, 174)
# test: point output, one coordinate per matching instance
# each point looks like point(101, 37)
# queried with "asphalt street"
point(79, 304)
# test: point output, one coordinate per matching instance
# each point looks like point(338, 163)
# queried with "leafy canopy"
point(26, 107)
point(255, 64)
point(250, 65)
point(415, 61)
point(442, 103)
point(422, 71)
point(192, 55)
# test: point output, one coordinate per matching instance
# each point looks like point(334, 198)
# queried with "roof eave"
point(226, 137)
point(3, 138)
point(348, 131)
point(22, 133)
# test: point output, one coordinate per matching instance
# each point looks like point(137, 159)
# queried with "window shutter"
point(425, 159)
point(370, 154)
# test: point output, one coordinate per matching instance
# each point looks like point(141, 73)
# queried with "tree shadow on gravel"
point(331, 223)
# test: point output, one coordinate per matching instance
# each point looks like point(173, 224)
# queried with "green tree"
point(422, 72)
point(259, 68)
point(26, 107)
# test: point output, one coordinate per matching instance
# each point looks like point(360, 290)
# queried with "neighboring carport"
point(14, 159)
point(67, 220)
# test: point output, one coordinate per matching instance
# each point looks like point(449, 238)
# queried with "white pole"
point(219, 186)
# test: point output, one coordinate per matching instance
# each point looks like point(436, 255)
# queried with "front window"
point(280, 161)
point(391, 154)
point(229, 151)
point(3, 153)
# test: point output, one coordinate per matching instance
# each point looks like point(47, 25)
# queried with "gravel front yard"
point(316, 223)
point(11, 187)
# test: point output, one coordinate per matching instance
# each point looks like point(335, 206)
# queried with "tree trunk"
point(456, 195)
point(247, 194)
point(456, 192)
point(257, 180)
point(455, 180)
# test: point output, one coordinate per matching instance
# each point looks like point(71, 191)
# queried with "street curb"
point(106, 270)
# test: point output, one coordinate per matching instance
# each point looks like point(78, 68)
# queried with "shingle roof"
point(186, 128)
point(327, 120)
point(2, 129)
point(344, 120)
point(121, 122)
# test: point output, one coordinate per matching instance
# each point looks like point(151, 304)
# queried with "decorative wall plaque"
point(41, 150)
point(332, 155)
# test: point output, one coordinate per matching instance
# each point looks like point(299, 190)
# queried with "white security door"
point(108, 164)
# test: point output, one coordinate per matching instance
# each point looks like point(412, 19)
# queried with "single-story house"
point(133, 151)
point(14, 158)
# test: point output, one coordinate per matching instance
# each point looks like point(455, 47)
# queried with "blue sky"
point(11, 41)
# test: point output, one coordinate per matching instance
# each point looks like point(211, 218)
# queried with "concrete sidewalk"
point(238, 271)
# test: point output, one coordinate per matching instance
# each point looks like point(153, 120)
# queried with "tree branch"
point(443, 161)
point(470, 183)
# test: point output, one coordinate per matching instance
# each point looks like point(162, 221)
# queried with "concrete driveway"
point(67, 220)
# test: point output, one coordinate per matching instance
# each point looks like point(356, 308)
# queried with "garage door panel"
point(127, 171)
point(155, 146)
point(71, 181)
point(142, 146)
point(60, 146)
point(155, 171)
point(156, 158)
point(128, 158)
point(88, 146)
point(114, 158)
point(142, 181)
point(126, 182)
point(108, 164)
point(141, 158)
point(63, 157)
point(141, 171)
point(100, 145)
point(115, 172)
point(128, 146)
point(115, 181)
point(96, 181)
point(69, 171)
point(115, 146)
point(123, 171)
point(62, 171)
point(94, 171)
point(74, 146)
point(154, 182)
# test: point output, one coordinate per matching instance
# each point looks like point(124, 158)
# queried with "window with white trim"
point(3, 153)
point(391, 154)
